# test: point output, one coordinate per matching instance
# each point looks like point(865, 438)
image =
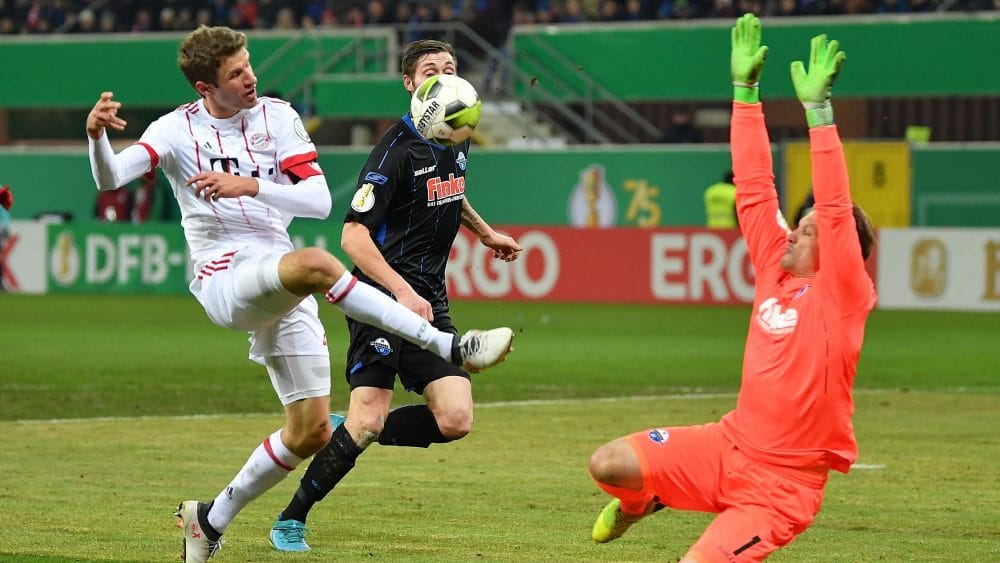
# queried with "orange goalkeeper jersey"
point(795, 402)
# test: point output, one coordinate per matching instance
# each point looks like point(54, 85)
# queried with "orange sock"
point(634, 503)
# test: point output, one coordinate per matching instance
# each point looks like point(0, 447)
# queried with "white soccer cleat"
point(483, 349)
point(198, 548)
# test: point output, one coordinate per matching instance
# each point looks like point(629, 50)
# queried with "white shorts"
point(241, 291)
point(299, 377)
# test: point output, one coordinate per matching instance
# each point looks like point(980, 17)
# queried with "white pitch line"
point(532, 402)
point(868, 466)
point(493, 404)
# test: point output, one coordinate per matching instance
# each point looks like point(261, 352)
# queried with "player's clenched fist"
point(104, 114)
point(213, 186)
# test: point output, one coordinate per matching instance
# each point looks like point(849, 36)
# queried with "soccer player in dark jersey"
point(399, 230)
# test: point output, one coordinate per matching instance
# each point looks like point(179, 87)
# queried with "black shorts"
point(375, 357)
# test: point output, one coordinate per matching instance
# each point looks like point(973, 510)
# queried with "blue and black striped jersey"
point(409, 195)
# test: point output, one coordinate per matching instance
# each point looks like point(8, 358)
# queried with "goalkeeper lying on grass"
point(763, 467)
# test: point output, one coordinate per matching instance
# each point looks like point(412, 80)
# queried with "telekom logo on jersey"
point(232, 166)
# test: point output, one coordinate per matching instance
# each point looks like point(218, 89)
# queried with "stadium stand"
point(489, 18)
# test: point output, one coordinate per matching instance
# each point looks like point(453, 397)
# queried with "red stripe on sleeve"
point(154, 159)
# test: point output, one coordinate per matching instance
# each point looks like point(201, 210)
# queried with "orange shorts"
point(761, 507)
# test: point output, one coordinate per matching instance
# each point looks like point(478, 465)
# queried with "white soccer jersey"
point(264, 142)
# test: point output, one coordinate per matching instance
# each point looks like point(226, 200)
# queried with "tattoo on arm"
point(471, 220)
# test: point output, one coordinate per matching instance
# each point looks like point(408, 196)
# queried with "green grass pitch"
point(116, 408)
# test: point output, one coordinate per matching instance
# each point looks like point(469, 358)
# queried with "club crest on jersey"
point(801, 292)
point(775, 320)
point(381, 345)
point(461, 161)
point(659, 435)
point(440, 192)
point(259, 140)
point(364, 198)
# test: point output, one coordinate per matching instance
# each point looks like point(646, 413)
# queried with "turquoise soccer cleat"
point(289, 535)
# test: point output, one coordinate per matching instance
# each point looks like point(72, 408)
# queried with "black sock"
point(411, 425)
point(210, 532)
point(456, 351)
point(327, 468)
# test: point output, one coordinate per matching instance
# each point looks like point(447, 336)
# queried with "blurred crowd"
point(490, 18)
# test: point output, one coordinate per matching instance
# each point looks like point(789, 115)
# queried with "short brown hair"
point(417, 49)
point(866, 232)
point(203, 50)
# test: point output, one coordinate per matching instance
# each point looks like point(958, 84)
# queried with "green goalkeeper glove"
point(747, 59)
point(813, 87)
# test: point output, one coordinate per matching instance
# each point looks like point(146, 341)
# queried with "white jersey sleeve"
point(291, 139)
point(308, 194)
point(158, 140)
point(112, 171)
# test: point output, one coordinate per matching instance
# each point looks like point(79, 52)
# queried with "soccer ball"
point(445, 109)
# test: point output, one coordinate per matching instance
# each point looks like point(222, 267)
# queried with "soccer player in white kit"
point(241, 168)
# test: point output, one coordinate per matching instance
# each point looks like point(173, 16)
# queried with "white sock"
point(364, 303)
point(267, 466)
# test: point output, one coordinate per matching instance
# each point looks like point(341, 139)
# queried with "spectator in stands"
point(677, 9)
point(446, 13)
point(86, 22)
point(143, 21)
point(248, 11)
point(167, 20)
point(609, 11)
point(634, 11)
point(787, 8)
point(421, 14)
point(723, 9)
point(572, 12)
point(919, 6)
point(353, 17)
point(523, 15)
point(681, 128)
point(285, 19)
point(492, 20)
point(720, 204)
point(204, 17)
point(892, 6)
point(267, 13)
point(378, 15)
point(108, 22)
point(755, 7)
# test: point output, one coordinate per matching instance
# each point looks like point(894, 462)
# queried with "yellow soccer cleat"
point(611, 523)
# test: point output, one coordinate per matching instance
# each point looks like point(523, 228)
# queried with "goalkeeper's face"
point(801, 256)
